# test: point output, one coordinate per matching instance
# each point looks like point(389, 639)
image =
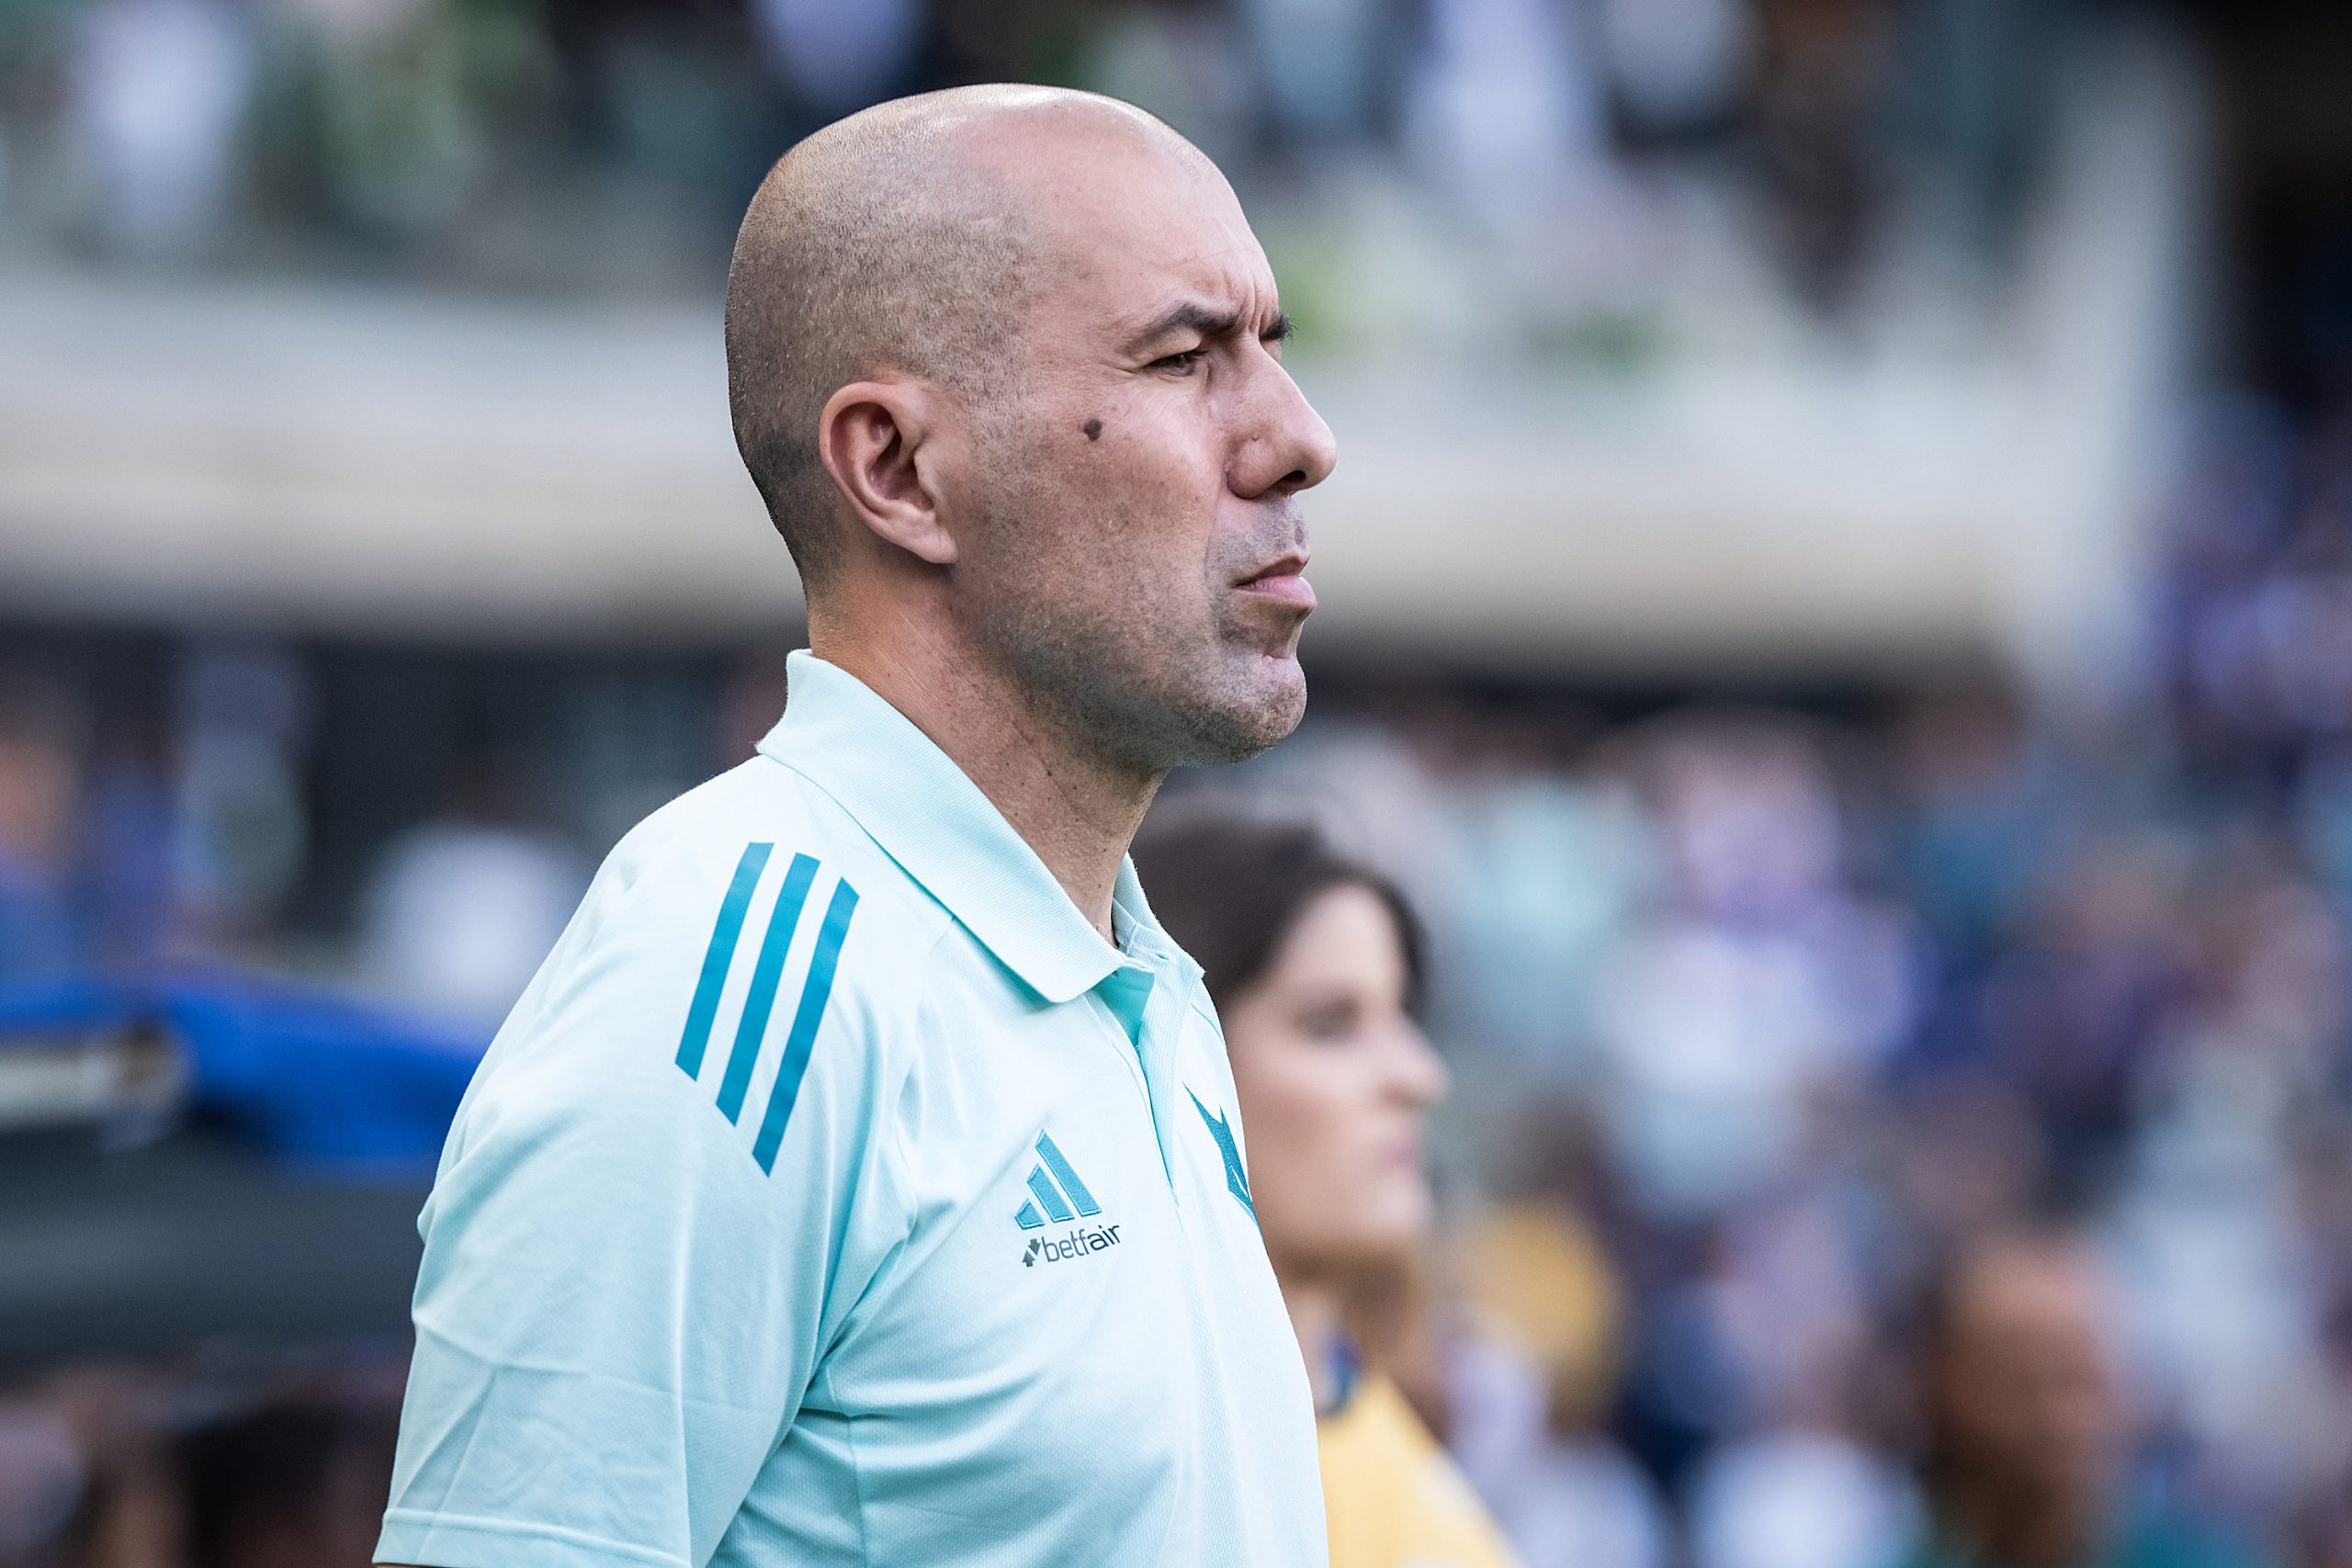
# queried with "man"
point(2028, 1433)
point(860, 1179)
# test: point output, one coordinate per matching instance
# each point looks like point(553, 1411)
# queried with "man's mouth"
point(1285, 580)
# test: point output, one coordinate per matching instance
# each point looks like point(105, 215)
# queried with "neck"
point(2044, 1530)
point(1077, 811)
point(1315, 1317)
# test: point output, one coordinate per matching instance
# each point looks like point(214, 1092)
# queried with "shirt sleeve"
point(634, 1256)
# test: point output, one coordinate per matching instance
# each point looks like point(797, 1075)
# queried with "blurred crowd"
point(1903, 1124)
point(1617, 175)
point(1769, 1018)
point(1863, 1101)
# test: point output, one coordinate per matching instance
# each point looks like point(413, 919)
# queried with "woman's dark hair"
point(1229, 888)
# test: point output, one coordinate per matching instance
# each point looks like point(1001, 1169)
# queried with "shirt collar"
point(929, 816)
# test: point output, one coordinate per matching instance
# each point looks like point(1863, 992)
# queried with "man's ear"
point(869, 437)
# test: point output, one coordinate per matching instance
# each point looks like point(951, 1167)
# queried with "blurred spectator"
point(2028, 1429)
point(1321, 65)
point(1761, 982)
point(1505, 103)
point(1980, 815)
point(115, 1466)
point(1676, 68)
point(1607, 154)
point(838, 58)
point(1184, 64)
point(1531, 1383)
point(130, 839)
point(1533, 947)
point(112, 1498)
point(298, 1483)
point(159, 95)
point(41, 1478)
point(1797, 1499)
point(244, 724)
point(1314, 965)
point(1827, 87)
point(462, 910)
point(40, 927)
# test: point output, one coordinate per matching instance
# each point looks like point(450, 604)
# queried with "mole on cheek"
point(1093, 428)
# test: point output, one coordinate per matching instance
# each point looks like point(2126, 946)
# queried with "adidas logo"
point(1055, 1186)
point(1057, 1196)
point(760, 997)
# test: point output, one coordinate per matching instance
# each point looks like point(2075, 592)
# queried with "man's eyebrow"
point(1206, 320)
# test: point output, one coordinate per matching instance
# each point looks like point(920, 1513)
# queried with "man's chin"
point(1266, 709)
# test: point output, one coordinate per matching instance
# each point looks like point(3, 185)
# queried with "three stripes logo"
point(1059, 1196)
point(760, 997)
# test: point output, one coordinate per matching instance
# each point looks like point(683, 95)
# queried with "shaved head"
point(1005, 363)
point(899, 240)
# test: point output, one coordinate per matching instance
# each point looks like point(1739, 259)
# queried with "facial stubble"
point(1144, 673)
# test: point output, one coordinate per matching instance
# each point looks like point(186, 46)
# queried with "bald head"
point(1006, 364)
point(907, 238)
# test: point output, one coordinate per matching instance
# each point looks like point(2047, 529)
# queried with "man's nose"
point(1285, 447)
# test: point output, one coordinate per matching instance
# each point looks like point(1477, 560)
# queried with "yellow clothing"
point(1392, 1497)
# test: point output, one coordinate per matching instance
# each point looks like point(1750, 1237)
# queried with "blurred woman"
point(1315, 966)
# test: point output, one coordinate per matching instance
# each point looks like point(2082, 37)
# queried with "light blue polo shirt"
point(836, 1194)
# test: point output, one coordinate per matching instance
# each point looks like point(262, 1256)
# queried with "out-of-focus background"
point(1837, 605)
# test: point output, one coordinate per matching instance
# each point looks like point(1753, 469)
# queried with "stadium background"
point(1837, 606)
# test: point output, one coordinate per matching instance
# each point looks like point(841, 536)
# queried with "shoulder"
point(760, 812)
point(1377, 1425)
point(721, 936)
point(759, 855)
point(1386, 1480)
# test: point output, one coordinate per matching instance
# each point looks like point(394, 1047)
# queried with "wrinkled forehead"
point(1129, 221)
